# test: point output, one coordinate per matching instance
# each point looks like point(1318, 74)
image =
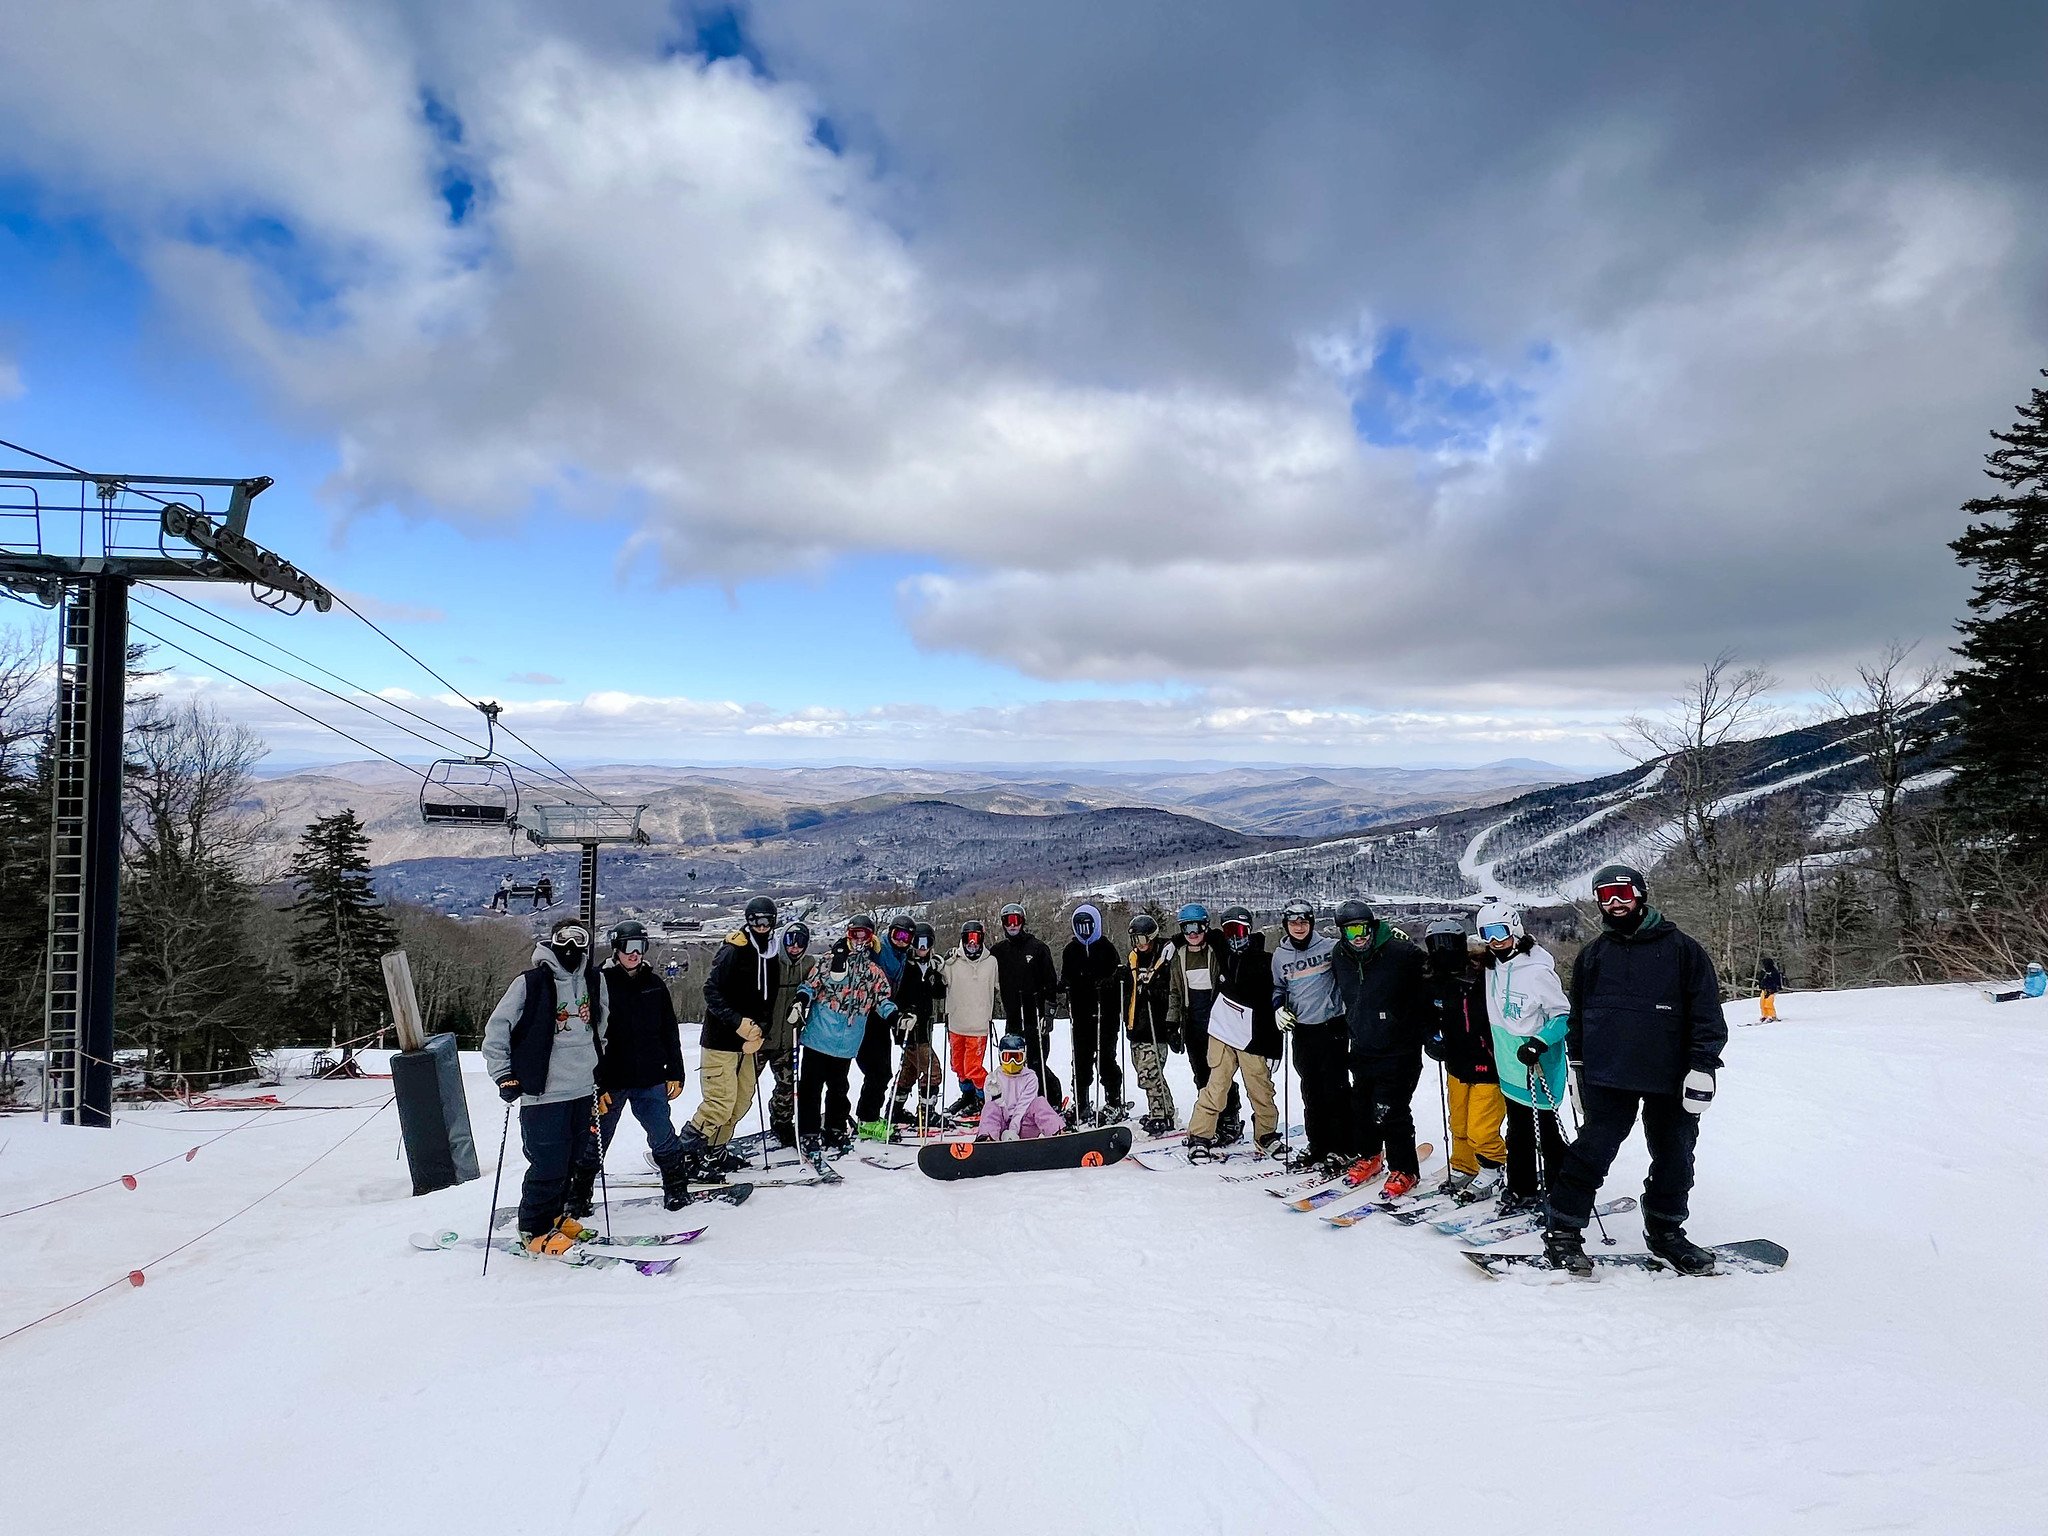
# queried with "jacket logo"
point(1663, 1007)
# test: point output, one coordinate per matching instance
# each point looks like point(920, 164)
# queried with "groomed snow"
point(1106, 1351)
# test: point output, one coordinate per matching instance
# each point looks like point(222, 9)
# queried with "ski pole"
point(1286, 1088)
point(1537, 1076)
point(497, 1178)
point(604, 1189)
point(758, 1115)
point(1578, 1129)
point(1443, 1088)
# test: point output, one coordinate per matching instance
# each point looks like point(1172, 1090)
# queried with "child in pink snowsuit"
point(1016, 1110)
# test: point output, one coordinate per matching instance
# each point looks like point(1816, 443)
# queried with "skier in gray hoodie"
point(541, 1046)
point(1305, 995)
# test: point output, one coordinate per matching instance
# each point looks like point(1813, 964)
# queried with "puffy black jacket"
point(742, 985)
point(1090, 975)
point(1386, 998)
point(918, 990)
point(1458, 1004)
point(1646, 1009)
point(1245, 976)
point(1025, 976)
point(643, 1045)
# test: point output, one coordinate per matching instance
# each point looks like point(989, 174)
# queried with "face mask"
point(571, 955)
point(1084, 930)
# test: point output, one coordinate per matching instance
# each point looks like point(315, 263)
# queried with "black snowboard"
point(1754, 1257)
point(978, 1159)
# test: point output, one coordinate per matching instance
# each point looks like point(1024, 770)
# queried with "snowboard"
point(1757, 1256)
point(980, 1159)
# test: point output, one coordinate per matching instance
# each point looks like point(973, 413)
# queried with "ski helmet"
point(923, 940)
point(625, 936)
point(796, 938)
point(1355, 922)
point(1194, 921)
point(1237, 926)
point(1445, 942)
point(860, 928)
point(973, 935)
point(761, 915)
point(1299, 910)
point(1500, 925)
point(902, 931)
point(1010, 1053)
point(1144, 928)
point(1087, 923)
point(1618, 881)
point(1012, 919)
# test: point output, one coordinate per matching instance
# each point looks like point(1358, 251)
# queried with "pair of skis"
point(588, 1252)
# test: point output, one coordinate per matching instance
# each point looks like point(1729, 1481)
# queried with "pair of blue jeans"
point(650, 1108)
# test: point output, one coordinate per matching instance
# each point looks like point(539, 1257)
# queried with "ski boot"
point(1512, 1204)
point(1229, 1130)
point(1270, 1145)
point(726, 1160)
point(675, 1181)
point(582, 1182)
point(839, 1141)
point(904, 1117)
point(784, 1132)
point(558, 1239)
point(1365, 1170)
point(968, 1102)
point(1116, 1112)
point(1201, 1149)
point(1565, 1248)
point(1667, 1240)
point(699, 1156)
point(811, 1149)
point(1483, 1185)
point(1397, 1185)
point(1455, 1180)
point(1156, 1125)
point(874, 1130)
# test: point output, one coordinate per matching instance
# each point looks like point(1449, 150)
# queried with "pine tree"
point(343, 930)
point(1999, 789)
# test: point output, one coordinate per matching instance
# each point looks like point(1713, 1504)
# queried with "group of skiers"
point(1639, 1034)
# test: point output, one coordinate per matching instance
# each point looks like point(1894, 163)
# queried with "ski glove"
point(796, 1015)
point(1699, 1090)
point(604, 1102)
point(1284, 1017)
point(1530, 1051)
point(1176, 1039)
point(1434, 1046)
point(508, 1089)
point(675, 1088)
point(1572, 1088)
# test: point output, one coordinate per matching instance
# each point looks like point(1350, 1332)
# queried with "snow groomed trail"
point(1116, 1350)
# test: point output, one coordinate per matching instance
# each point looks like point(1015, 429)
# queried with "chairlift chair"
point(471, 791)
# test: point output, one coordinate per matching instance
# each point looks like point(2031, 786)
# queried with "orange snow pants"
point(1767, 1006)
point(970, 1059)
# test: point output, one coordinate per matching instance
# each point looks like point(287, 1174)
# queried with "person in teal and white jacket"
point(1526, 1005)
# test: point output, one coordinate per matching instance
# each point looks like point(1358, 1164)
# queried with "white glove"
point(796, 1014)
point(1571, 1085)
point(1699, 1090)
point(1285, 1018)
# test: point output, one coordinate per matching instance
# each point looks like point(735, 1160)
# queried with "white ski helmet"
point(1497, 915)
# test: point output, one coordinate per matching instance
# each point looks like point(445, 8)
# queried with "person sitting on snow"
point(1016, 1110)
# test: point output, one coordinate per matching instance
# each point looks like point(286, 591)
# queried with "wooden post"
point(405, 1004)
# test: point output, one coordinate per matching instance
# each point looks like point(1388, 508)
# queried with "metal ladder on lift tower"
point(64, 967)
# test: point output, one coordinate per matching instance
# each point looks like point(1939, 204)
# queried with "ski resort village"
point(1010, 769)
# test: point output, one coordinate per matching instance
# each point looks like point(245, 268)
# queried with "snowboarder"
point(1646, 1036)
point(1461, 1042)
point(1030, 986)
point(1386, 1004)
point(780, 1049)
point(641, 1067)
point(970, 1014)
point(1090, 972)
point(1147, 984)
point(501, 899)
point(541, 1047)
point(543, 892)
point(1306, 1003)
point(1527, 1012)
point(839, 998)
point(739, 999)
point(1016, 1110)
point(1189, 1001)
point(919, 987)
point(1770, 981)
point(1244, 1037)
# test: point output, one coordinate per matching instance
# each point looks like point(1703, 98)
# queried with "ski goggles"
point(1189, 930)
point(1495, 933)
point(860, 935)
point(901, 937)
point(1237, 930)
point(1010, 1061)
point(1615, 890)
point(580, 937)
point(793, 946)
point(1300, 920)
point(633, 947)
point(1356, 931)
point(1013, 925)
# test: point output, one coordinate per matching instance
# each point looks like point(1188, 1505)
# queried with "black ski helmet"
point(1144, 926)
point(861, 921)
point(902, 924)
point(1620, 874)
point(624, 932)
point(923, 940)
point(1011, 1053)
point(761, 915)
point(796, 938)
point(973, 938)
point(1445, 941)
point(1239, 919)
point(1351, 914)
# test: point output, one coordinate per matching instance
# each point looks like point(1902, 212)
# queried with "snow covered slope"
point(1106, 1351)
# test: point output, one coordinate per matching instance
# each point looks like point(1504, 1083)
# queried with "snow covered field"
point(1106, 1351)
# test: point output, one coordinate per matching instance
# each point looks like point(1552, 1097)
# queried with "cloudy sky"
point(934, 379)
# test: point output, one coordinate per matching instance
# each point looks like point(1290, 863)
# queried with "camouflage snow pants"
point(1151, 1069)
point(782, 1101)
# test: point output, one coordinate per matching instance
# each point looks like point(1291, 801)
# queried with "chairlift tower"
point(76, 543)
point(588, 826)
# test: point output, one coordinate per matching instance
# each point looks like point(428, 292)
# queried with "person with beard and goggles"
point(971, 988)
point(1191, 996)
point(541, 1046)
point(1646, 1038)
point(641, 1068)
point(1090, 974)
point(739, 999)
point(1030, 988)
point(1244, 1039)
point(1386, 1005)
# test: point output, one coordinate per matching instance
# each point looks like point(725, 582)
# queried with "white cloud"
point(12, 386)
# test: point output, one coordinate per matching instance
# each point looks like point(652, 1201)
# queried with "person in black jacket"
point(1646, 1035)
point(641, 1066)
point(1244, 1038)
point(739, 999)
point(917, 990)
point(1030, 987)
point(1461, 1041)
point(1091, 974)
point(1380, 976)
